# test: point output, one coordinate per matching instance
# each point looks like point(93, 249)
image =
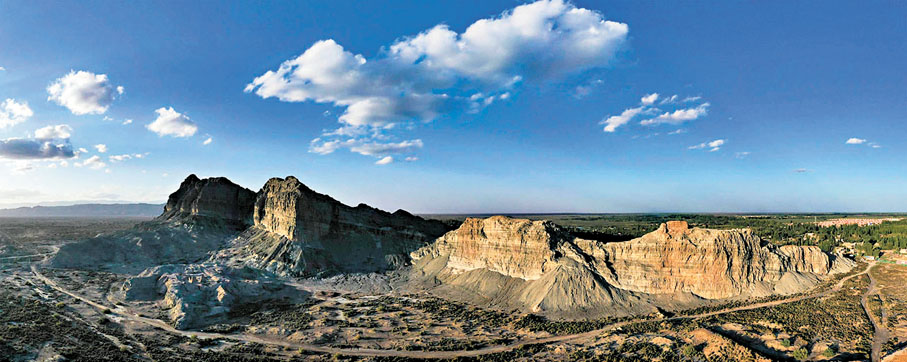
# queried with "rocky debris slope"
point(200, 217)
point(203, 294)
point(533, 265)
point(300, 232)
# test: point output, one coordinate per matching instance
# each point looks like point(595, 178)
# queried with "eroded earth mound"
point(535, 266)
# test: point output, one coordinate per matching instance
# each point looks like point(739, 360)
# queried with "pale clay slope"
point(533, 265)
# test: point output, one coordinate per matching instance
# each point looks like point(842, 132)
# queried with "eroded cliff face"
point(711, 264)
point(536, 266)
point(300, 232)
point(215, 198)
point(199, 218)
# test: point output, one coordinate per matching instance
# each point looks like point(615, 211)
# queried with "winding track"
point(366, 352)
point(880, 335)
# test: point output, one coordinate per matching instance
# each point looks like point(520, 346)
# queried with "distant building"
point(903, 251)
point(870, 257)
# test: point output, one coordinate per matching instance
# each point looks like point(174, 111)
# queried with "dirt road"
point(880, 336)
point(365, 352)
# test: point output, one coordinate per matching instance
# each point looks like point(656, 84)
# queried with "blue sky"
point(509, 116)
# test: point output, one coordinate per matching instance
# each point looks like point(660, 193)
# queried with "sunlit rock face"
point(514, 247)
point(298, 231)
point(537, 266)
point(216, 198)
point(711, 264)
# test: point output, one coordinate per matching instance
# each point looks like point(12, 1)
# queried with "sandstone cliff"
point(533, 265)
point(300, 232)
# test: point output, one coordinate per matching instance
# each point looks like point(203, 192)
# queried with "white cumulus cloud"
point(855, 141)
point(384, 161)
point(208, 141)
point(13, 112)
point(102, 148)
point(60, 131)
point(84, 92)
point(172, 123)
point(440, 71)
point(649, 99)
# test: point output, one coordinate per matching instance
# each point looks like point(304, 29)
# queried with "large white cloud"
point(84, 92)
point(440, 71)
point(13, 112)
point(172, 123)
point(60, 131)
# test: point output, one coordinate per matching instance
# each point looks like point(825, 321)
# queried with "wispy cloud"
point(742, 155)
point(679, 116)
point(862, 141)
point(646, 107)
point(712, 145)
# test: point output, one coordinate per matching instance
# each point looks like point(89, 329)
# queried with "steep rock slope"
point(200, 217)
point(533, 265)
point(300, 232)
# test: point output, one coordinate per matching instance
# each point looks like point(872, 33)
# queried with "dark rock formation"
point(215, 198)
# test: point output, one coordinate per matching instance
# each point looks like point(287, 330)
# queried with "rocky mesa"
point(300, 232)
point(535, 266)
point(200, 217)
point(285, 228)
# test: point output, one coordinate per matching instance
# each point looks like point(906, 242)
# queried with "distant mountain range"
point(86, 210)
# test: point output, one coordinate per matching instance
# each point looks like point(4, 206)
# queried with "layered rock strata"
point(536, 266)
point(300, 232)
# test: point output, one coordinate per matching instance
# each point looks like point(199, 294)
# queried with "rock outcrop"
point(285, 228)
point(202, 294)
point(215, 198)
point(534, 265)
point(300, 232)
point(199, 218)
